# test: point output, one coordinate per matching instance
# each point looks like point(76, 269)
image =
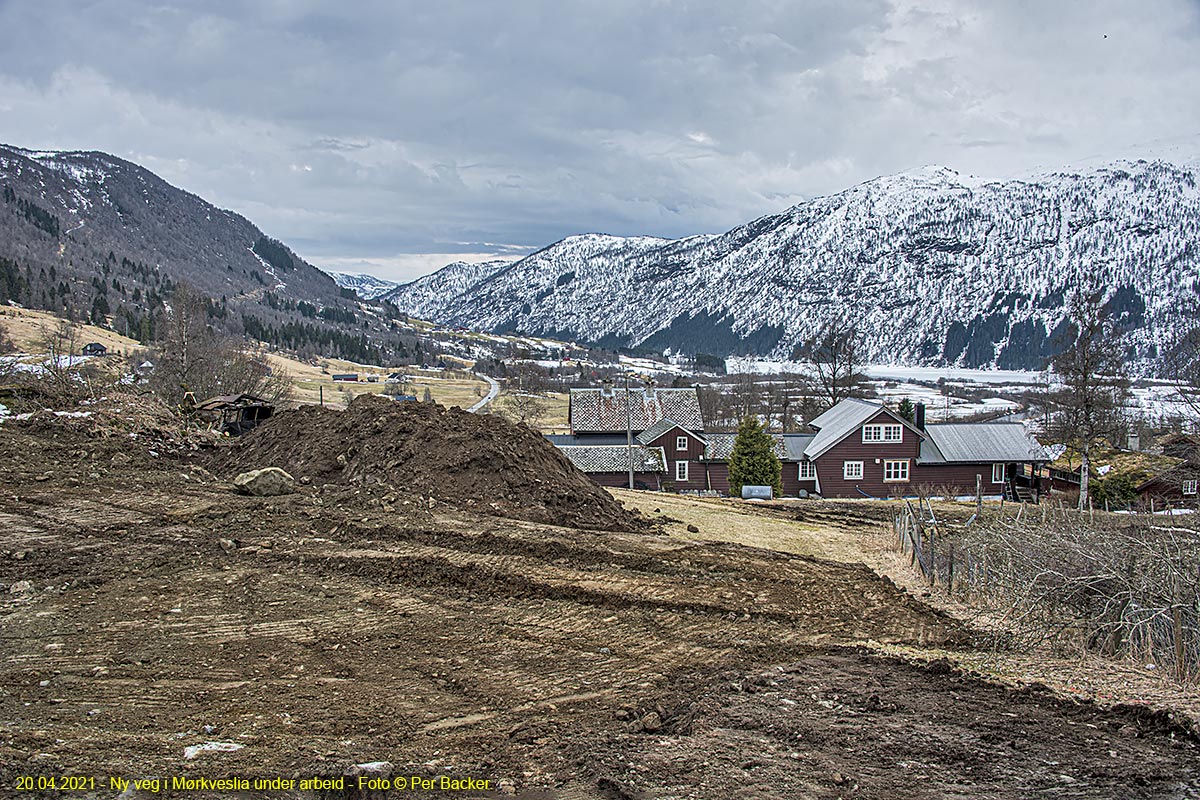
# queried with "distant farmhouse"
point(1176, 483)
point(855, 449)
point(94, 349)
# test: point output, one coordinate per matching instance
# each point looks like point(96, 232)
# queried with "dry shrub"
point(1127, 587)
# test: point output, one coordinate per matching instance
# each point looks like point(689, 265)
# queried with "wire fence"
point(1125, 587)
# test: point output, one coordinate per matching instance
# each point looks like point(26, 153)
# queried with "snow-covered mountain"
point(451, 280)
point(932, 269)
point(367, 287)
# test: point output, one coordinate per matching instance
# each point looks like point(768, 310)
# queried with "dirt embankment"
point(477, 462)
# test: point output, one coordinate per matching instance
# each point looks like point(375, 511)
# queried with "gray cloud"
point(378, 131)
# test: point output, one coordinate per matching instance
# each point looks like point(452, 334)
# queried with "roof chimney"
point(920, 416)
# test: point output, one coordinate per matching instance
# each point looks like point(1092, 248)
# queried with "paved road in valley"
point(491, 395)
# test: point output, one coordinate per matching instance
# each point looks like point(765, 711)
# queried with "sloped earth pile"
point(478, 462)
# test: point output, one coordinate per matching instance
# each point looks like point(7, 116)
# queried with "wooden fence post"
point(932, 555)
point(1177, 626)
point(950, 574)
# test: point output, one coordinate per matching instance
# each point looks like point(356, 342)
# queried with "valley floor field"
point(149, 611)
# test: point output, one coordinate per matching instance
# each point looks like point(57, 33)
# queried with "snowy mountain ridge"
point(367, 287)
point(931, 267)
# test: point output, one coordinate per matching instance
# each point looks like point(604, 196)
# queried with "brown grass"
point(28, 328)
point(729, 520)
point(314, 382)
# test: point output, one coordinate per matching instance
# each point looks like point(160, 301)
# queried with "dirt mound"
point(118, 422)
point(472, 461)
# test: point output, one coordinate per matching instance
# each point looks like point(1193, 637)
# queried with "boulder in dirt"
point(21, 587)
point(265, 482)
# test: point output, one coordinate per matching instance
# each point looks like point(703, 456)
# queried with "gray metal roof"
point(560, 439)
point(977, 442)
point(841, 420)
point(720, 446)
point(659, 428)
point(794, 444)
point(615, 458)
point(593, 410)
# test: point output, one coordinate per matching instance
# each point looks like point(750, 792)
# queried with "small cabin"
point(94, 349)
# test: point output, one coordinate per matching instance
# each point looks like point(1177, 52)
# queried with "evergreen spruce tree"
point(754, 462)
point(907, 410)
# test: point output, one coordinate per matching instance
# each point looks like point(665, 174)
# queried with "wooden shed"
point(236, 413)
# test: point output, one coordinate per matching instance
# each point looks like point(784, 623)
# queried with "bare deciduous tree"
point(193, 357)
point(1088, 403)
point(8, 366)
point(61, 367)
point(7, 345)
point(747, 394)
point(524, 407)
point(1182, 363)
point(833, 358)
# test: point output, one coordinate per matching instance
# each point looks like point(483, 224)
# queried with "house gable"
point(670, 439)
point(665, 432)
point(850, 467)
point(847, 419)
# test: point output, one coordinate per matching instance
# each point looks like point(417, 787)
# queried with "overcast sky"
point(392, 137)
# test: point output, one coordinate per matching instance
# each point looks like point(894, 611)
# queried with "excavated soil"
point(148, 609)
point(469, 460)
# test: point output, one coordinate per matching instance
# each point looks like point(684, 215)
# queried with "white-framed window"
point(880, 433)
point(1189, 487)
point(997, 473)
point(681, 443)
point(895, 470)
point(807, 471)
point(681, 471)
point(852, 470)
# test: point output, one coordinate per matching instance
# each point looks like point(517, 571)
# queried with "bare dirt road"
point(156, 624)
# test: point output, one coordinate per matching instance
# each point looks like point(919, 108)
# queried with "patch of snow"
point(270, 270)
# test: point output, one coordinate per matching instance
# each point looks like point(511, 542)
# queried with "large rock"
point(266, 482)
